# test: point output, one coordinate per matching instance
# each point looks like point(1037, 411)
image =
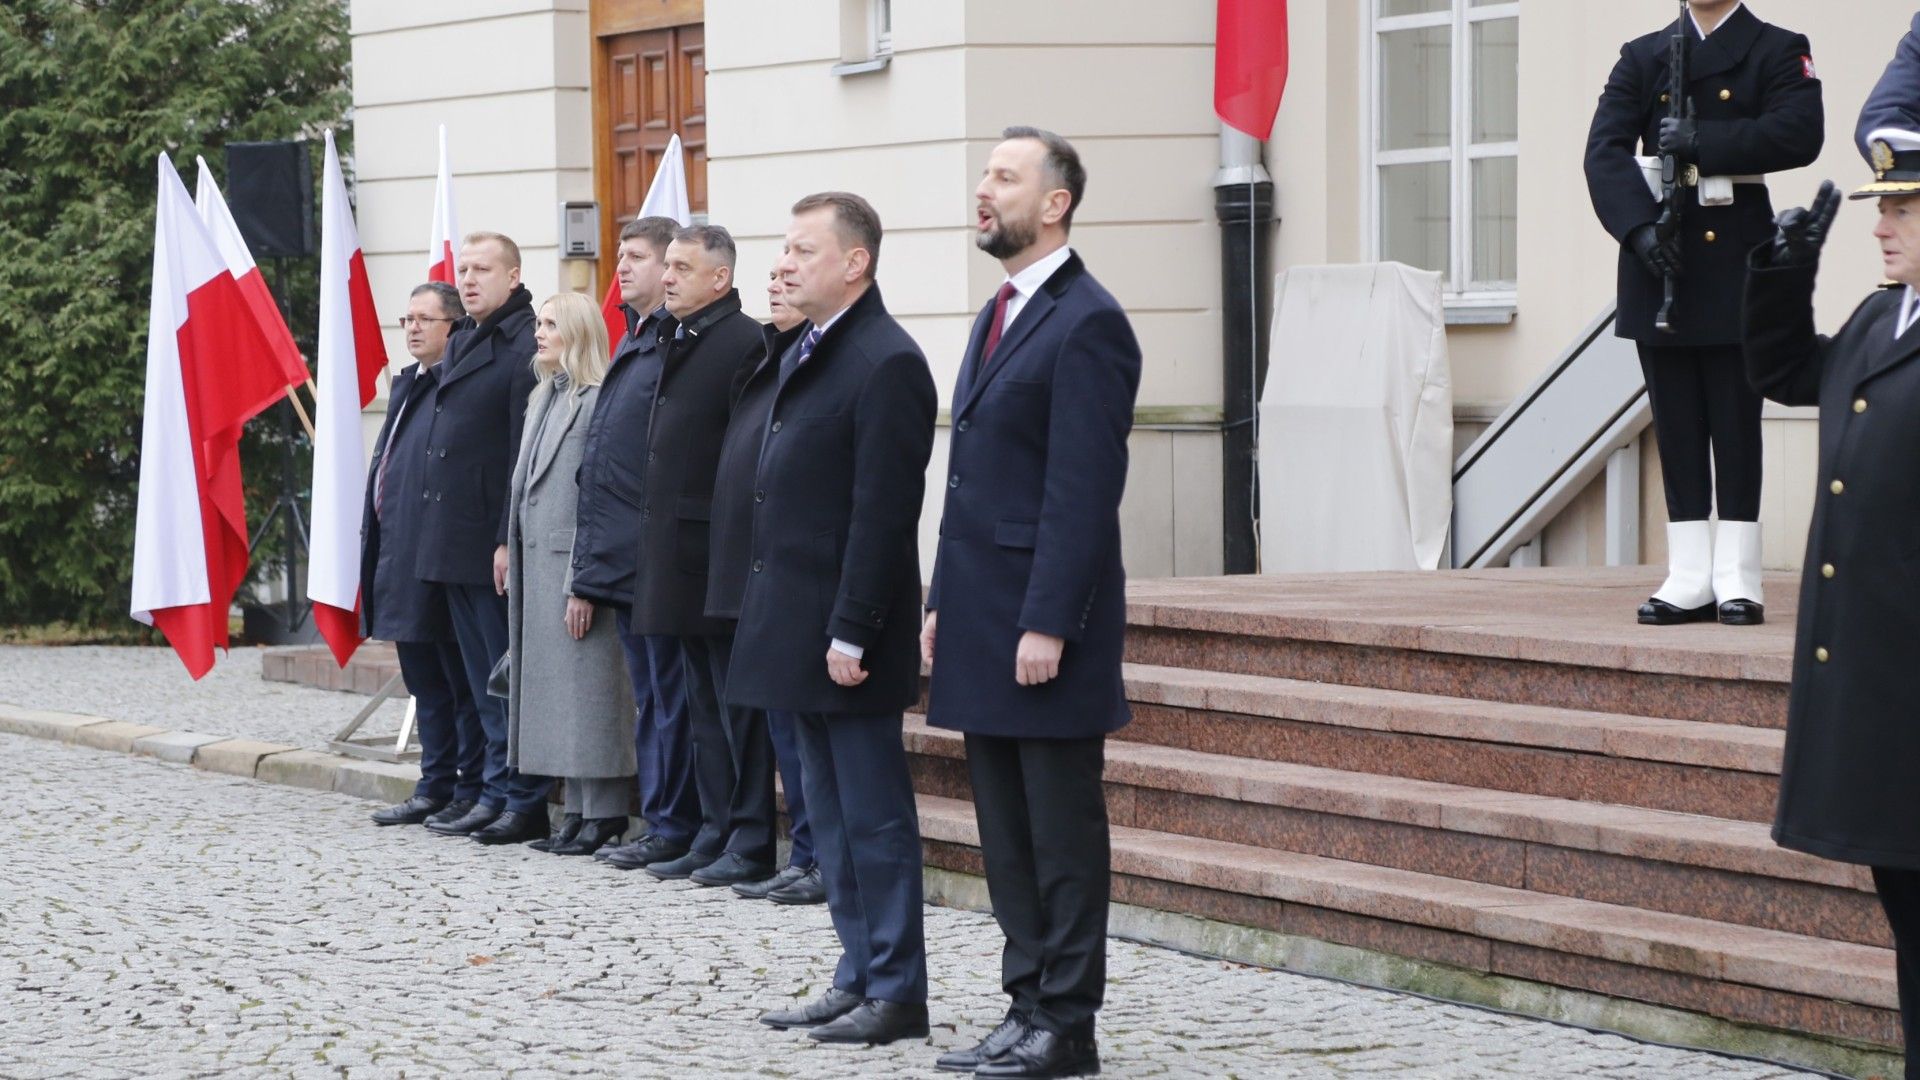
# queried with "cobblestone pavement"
point(148, 686)
point(158, 921)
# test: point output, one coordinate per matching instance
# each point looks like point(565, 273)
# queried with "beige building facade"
point(1448, 133)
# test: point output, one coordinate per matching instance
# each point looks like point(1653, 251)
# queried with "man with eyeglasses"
point(396, 605)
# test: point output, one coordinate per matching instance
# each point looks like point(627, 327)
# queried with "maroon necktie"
point(999, 326)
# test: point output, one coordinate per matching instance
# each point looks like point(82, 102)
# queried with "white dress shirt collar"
point(1909, 312)
point(1028, 281)
point(1723, 20)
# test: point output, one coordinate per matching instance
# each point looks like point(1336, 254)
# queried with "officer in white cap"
point(1847, 787)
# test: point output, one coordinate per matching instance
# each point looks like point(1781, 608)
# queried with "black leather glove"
point(1660, 257)
point(1681, 138)
point(1799, 232)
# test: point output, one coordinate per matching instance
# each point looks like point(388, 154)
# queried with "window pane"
point(1413, 215)
point(1411, 7)
point(1415, 99)
point(1496, 80)
point(1495, 244)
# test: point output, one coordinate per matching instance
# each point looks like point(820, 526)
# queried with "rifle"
point(1672, 182)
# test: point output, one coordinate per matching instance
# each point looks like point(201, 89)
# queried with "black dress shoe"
point(642, 852)
point(516, 827)
point(453, 811)
point(831, 1005)
point(680, 868)
point(730, 869)
point(591, 837)
point(873, 1023)
point(1742, 613)
point(758, 890)
point(569, 828)
point(807, 889)
point(478, 817)
point(412, 812)
point(1657, 612)
point(998, 1041)
point(1044, 1054)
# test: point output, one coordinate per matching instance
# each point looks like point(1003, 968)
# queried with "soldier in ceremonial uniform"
point(1847, 788)
point(1755, 109)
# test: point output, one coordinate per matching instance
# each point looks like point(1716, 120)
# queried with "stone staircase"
point(1494, 775)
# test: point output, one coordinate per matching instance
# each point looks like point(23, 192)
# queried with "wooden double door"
point(649, 84)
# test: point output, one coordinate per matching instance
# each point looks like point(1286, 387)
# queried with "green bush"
point(90, 92)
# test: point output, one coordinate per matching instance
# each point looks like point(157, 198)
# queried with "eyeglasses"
point(407, 321)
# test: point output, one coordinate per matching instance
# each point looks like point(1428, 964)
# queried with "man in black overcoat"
point(612, 478)
point(709, 347)
point(1847, 783)
point(831, 610)
point(1756, 109)
point(395, 605)
point(1027, 612)
point(473, 439)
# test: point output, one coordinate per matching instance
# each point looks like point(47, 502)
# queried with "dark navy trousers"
point(480, 625)
point(453, 747)
point(866, 834)
point(661, 742)
point(786, 753)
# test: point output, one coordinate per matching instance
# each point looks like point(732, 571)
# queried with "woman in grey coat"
point(569, 704)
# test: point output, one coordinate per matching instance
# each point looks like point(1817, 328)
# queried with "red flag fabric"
point(446, 228)
point(616, 319)
point(190, 527)
point(233, 247)
point(1250, 63)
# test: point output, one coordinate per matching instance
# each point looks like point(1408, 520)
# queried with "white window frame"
point(880, 26)
point(1465, 304)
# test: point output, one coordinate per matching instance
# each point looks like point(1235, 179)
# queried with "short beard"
point(1007, 238)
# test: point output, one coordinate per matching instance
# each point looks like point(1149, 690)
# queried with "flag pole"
point(300, 410)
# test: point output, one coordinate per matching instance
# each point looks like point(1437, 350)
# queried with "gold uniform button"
point(1859, 404)
point(1836, 487)
point(1663, 99)
point(1821, 654)
point(1711, 237)
point(1726, 95)
point(1826, 570)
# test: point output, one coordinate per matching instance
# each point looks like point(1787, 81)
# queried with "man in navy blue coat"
point(473, 439)
point(831, 605)
point(1028, 602)
point(1895, 100)
point(613, 470)
point(395, 604)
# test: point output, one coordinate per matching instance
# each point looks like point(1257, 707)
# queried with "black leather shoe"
point(874, 1023)
point(478, 817)
point(832, 1005)
point(998, 1041)
point(451, 812)
point(591, 837)
point(730, 869)
point(809, 889)
point(758, 890)
point(1656, 612)
point(516, 827)
point(412, 812)
point(642, 852)
point(1742, 613)
point(569, 828)
point(1043, 1054)
point(680, 868)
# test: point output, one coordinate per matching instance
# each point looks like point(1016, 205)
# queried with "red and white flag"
point(351, 354)
point(444, 243)
point(190, 528)
point(283, 354)
point(666, 197)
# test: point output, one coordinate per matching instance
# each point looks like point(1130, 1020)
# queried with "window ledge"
point(860, 67)
point(1480, 311)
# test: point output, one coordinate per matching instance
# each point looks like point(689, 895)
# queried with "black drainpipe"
point(1243, 201)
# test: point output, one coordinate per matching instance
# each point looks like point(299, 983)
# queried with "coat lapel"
point(1037, 308)
point(476, 358)
point(1725, 47)
point(1888, 351)
point(568, 411)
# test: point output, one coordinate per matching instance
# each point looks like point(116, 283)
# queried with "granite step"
point(1745, 974)
point(1656, 860)
point(1720, 770)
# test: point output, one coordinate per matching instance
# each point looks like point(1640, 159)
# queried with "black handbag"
point(500, 681)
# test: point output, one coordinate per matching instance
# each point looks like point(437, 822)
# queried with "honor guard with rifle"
point(1692, 120)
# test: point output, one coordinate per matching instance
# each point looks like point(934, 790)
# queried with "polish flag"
point(446, 230)
point(1249, 63)
point(284, 355)
point(190, 528)
point(666, 197)
point(351, 355)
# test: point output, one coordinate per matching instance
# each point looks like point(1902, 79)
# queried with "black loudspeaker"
point(270, 191)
